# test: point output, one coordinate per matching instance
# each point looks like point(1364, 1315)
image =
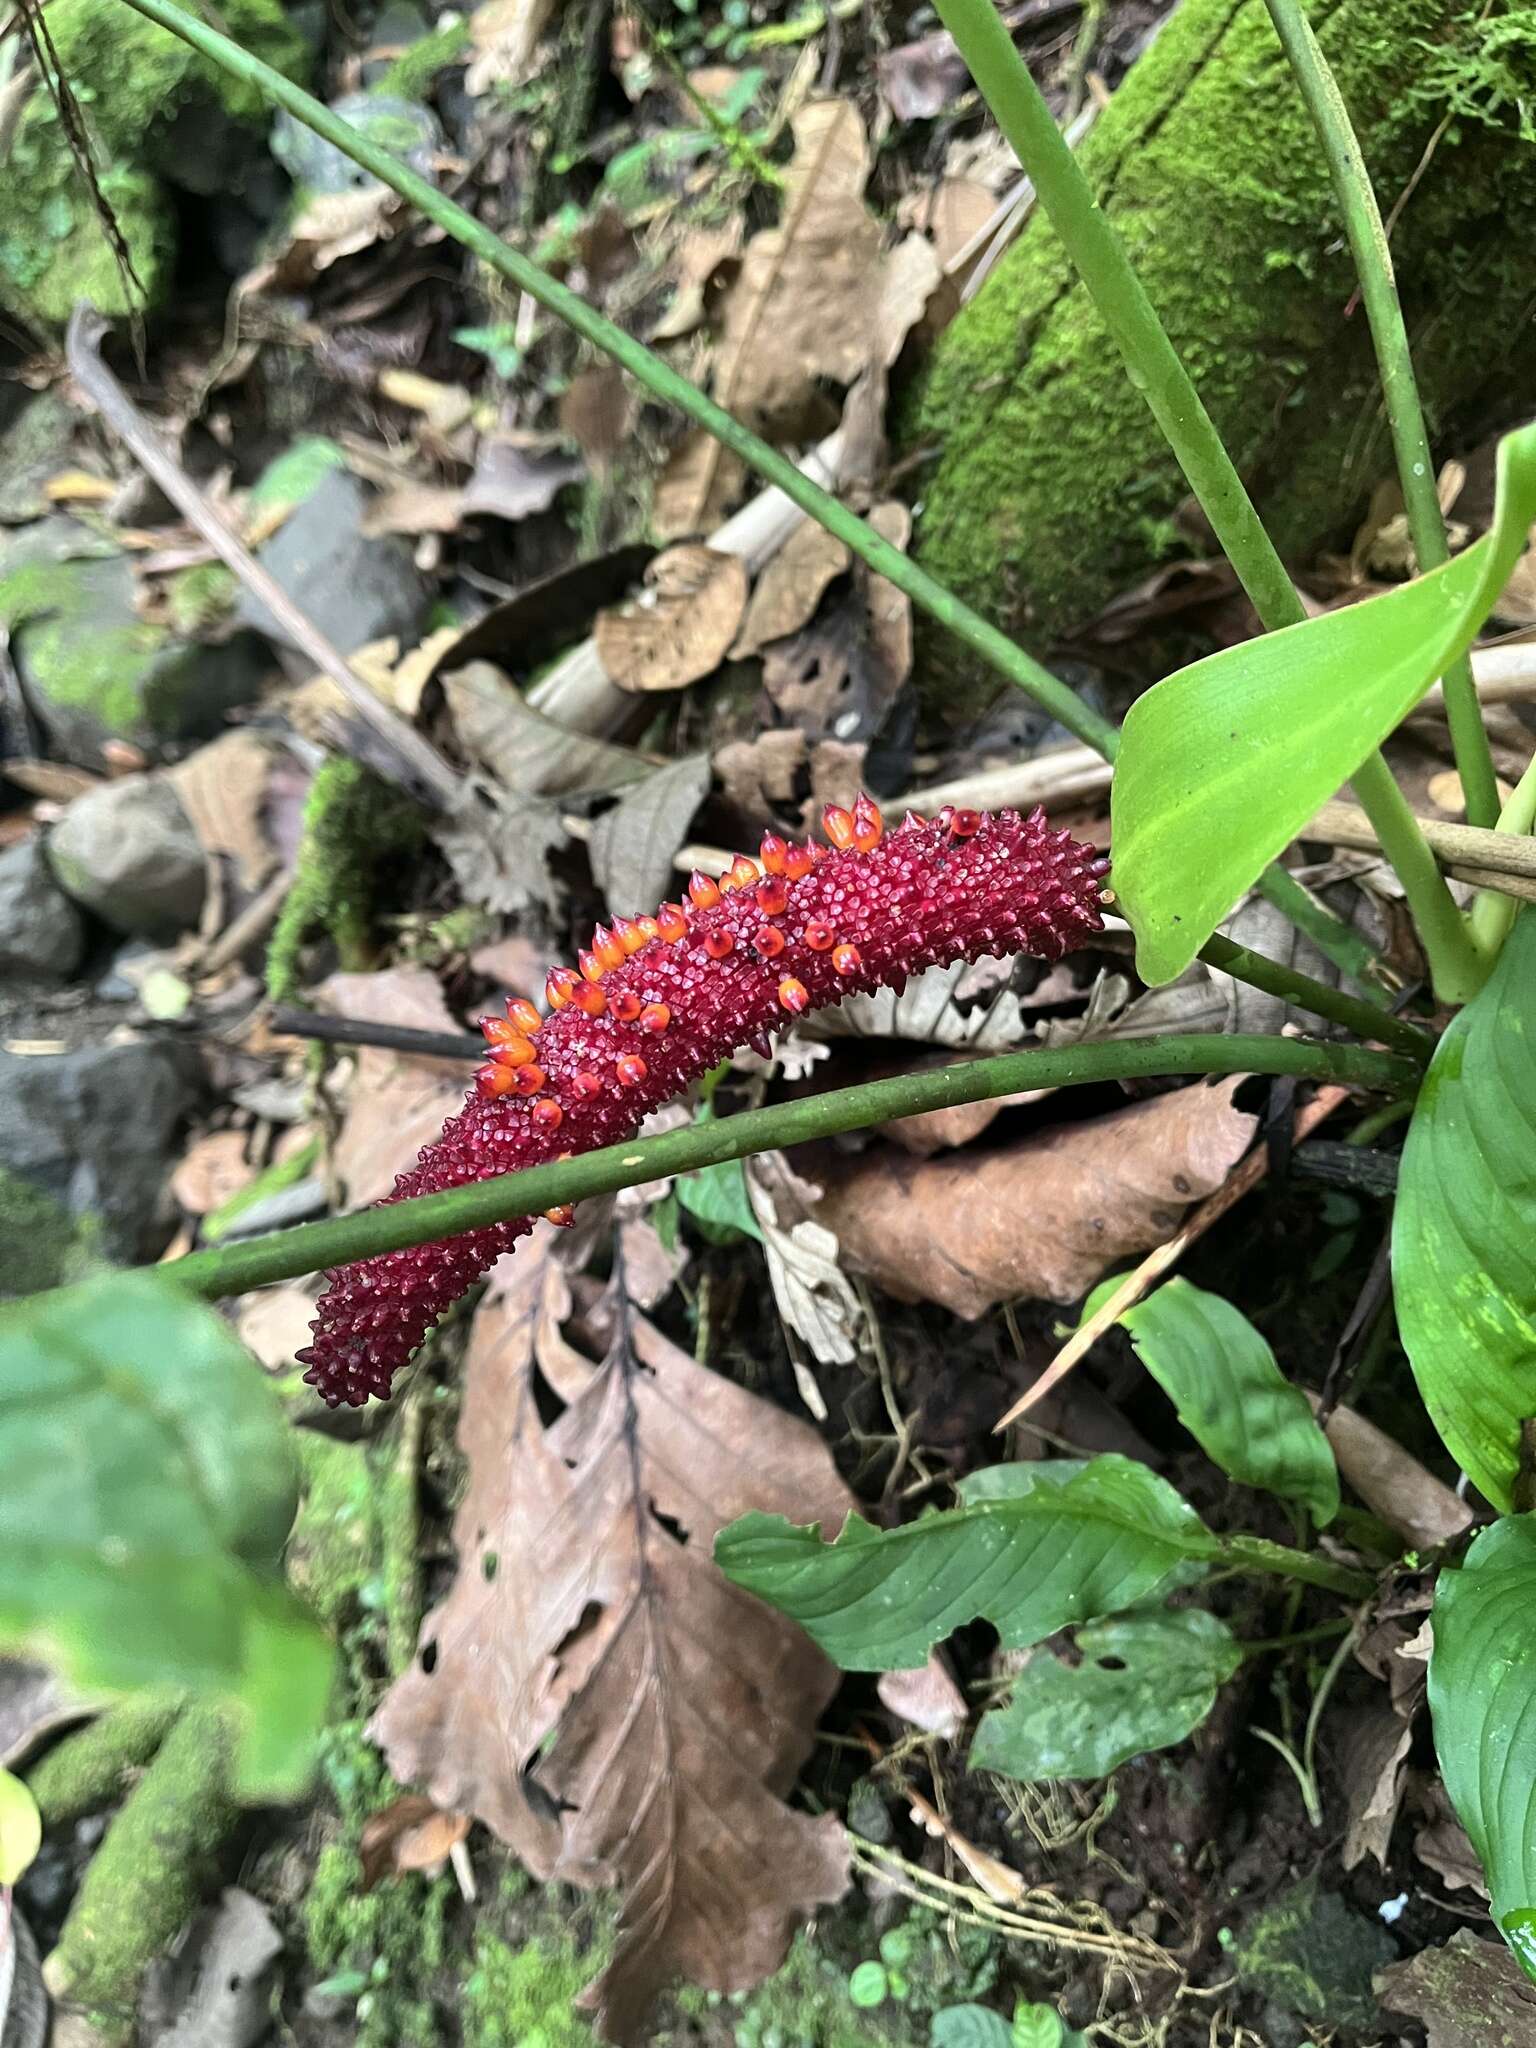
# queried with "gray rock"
point(353, 588)
point(85, 1152)
point(128, 852)
point(91, 669)
point(36, 442)
point(41, 934)
point(406, 128)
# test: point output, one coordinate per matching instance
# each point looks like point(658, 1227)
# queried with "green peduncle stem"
point(1405, 415)
point(286, 1254)
point(1155, 369)
point(1335, 938)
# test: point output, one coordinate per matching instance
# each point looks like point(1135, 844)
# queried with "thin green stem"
point(1341, 943)
point(1155, 369)
point(1394, 359)
point(1493, 913)
point(285, 1254)
point(1315, 996)
point(658, 377)
point(1258, 1554)
point(1335, 938)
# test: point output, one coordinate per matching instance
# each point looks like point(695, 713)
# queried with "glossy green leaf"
point(1464, 1230)
point(21, 1828)
point(1231, 1395)
point(1145, 1680)
point(147, 1486)
point(717, 1200)
point(1032, 1548)
point(1482, 1694)
point(1221, 765)
point(976, 2026)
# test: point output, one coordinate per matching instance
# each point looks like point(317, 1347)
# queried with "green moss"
point(201, 597)
point(333, 1552)
point(1051, 474)
point(41, 1245)
point(353, 825)
point(92, 1768)
point(1312, 1954)
point(523, 1995)
point(52, 249)
point(412, 73)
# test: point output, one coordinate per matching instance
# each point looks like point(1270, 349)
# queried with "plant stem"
point(1155, 369)
point(285, 1254)
point(1394, 359)
point(1258, 1554)
point(1493, 913)
point(1315, 996)
point(1335, 938)
point(657, 376)
point(1344, 946)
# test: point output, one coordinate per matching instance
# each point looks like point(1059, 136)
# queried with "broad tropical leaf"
point(1231, 1395)
point(1482, 1694)
point(1464, 1233)
point(1221, 765)
point(1145, 1680)
point(1032, 1548)
point(147, 1486)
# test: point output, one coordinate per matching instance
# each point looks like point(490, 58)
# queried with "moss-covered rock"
point(1052, 486)
point(130, 79)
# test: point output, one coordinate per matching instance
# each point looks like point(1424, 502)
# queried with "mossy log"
point(1052, 488)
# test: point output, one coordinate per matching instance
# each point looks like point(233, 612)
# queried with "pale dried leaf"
point(1444, 1845)
point(526, 752)
point(398, 679)
point(216, 1991)
point(696, 272)
point(814, 1295)
point(512, 482)
point(600, 1696)
point(1373, 1752)
point(837, 777)
point(398, 1102)
point(951, 215)
point(1469, 1994)
point(650, 1269)
point(758, 775)
point(840, 674)
point(408, 1834)
point(273, 1323)
point(213, 1168)
point(505, 37)
point(791, 587)
point(927, 1697)
point(920, 79)
point(632, 846)
point(223, 790)
point(697, 488)
point(925, 1013)
point(681, 626)
point(414, 508)
point(33, 1702)
point(1517, 603)
point(1043, 1219)
point(499, 848)
point(909, 278)
point(1200, 1000)
point(1408, 1497)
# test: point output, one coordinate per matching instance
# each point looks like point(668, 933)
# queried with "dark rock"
point(42, 937)
point(128, 852)
point(354, 589)
point(85, 1154)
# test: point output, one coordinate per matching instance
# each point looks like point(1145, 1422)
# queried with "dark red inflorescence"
point(659, 1001)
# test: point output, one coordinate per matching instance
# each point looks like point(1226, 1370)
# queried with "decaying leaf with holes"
point(593, 1688)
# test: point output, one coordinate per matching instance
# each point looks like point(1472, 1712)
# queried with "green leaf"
point(1232, 1397)
point(1033, 1548)
point(1482, 1695)
point(716, 1198)
point(1221, 765)
point(1038, 2026)
point(21, 1828)
point(868, 1985)
point(972, 2026)
point(147, 1486)
point(1463, 1233)
point(1144, 1682)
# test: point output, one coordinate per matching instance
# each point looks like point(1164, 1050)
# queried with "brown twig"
point(1162, 1258)
point(1506, 859)
point(418, 767)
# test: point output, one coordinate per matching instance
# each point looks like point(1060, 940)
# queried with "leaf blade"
point(1482, 1696)
point(1222, 764)
point(1030, 1554)
point(1231, 1395)
point(1466, 1209)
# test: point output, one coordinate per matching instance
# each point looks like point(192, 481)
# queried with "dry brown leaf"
point(839, 676)
point(632, 846)
point(812, 1292)
point(681, 627)
point(1444, 1845)
point(1423, 1510)
point(928, 1697)
point(1374, 1749)
point(596, 410)
point(1043, 1219)
point(758, 775)
point(951, 215)
point(211, 1170)
point(408, 1834)
point(909, 279)
point(398, 679)
point(527, 753)
point(1469, 1994)
point(273, 1323)
point(34, 1701)
point(223, 790)
point(592, 1687)
point(415, 508)
point(512, 482)
point(791, 587)
point(799, 311)
point(702, 268)
point(398, 1102)
point(505, 37)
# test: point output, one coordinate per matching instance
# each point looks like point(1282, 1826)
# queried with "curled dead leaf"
point(408, 1834)
point(681, 627)
point(1043, 1219)
point(791, 587)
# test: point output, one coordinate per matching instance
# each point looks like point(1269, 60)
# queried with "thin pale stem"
point(1394, 359)
point(1336, 939)
point(425, 1219)
point(1155, 369)
point(1493, 914)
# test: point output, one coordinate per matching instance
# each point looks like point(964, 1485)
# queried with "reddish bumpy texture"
point(660, 1001)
